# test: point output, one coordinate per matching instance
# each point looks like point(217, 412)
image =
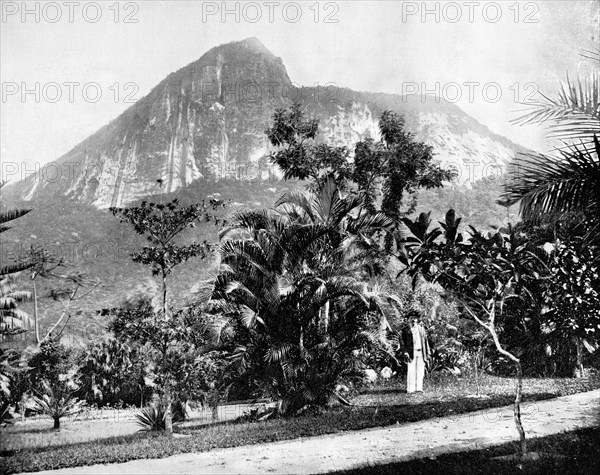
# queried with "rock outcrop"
point(207, 121)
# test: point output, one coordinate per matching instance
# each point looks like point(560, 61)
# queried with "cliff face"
point(207, 120)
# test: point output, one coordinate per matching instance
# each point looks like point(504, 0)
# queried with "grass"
point(385, 404)
point(573, 453)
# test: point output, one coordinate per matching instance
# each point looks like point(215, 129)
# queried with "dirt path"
point(375, 446)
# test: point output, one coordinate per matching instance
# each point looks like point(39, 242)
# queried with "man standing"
point(416, 350)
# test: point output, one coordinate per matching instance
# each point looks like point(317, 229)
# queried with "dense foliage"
point(112, 372)
point(382, 173)
point(291, 281)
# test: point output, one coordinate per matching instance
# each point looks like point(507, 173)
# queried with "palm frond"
point(591, 54)
point(15, 268)
point(545, 184)
point(154, 418)
point(574, 115)
point(278, 353)
point(10, 215)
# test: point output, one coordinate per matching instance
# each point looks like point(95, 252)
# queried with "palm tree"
point(12, 318)
point(295, 276)
point(5, 217)
point(569, 180)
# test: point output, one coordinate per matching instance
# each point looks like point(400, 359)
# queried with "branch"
point(64, 326)
point(95, 285)
point(475, 317)
point(501, 350)
point(55, 325)
point(492, 330)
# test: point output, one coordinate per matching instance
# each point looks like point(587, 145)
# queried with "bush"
point(112, 372)
point(153, 418)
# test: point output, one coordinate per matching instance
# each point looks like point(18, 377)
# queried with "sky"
point(68, 68)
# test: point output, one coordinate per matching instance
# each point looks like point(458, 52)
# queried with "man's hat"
point(414, 314)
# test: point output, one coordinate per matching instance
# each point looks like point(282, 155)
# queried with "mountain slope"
point(201, 131)
point(207, 120)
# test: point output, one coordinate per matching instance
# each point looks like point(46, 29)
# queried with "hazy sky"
point(508, 47)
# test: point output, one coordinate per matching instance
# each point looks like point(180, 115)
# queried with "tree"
point(10, 315)
point(291, 282)
point(53, 381)
point(486, 275)
point(5, 217)
point(395, 166)
point(48, 364)
point(42, 264)
point(56, 402)
point(572, 298)
point(13, 319)
point(162, 224)
point(73, 287)
point(569, 180)
point(382, 172)
point(298, 156)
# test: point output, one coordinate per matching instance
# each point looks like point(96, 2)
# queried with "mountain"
point(201, 131)
point(207, 121)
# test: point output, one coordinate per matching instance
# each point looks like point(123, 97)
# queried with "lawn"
point(381, 405)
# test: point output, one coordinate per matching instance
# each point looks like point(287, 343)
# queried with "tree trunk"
point(477, 372)
point(49, 334)
point(478, 358)
point(517, 406)
point(56, 422)
point(578, 373)
point(164, 294)
point(517, 410)
point(168, 411)
point(168, 398)
point(35, 314)
point(23, 407)
point(326, 317)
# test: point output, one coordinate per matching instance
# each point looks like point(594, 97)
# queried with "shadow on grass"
point(380, 415)
point(574, 453)
point(41, 430)
point(113, 440)
point(212, 425)
point(383, 391)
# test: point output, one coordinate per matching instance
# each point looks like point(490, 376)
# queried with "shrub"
point(5, 416)
point(153, 418)
point(112, 371)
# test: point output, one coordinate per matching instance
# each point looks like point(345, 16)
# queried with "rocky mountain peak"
point(207, 121)
point(256, 45)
